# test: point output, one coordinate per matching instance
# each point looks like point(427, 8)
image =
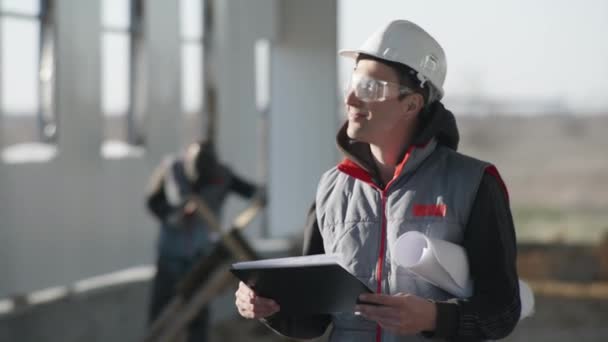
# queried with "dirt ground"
point(555, 320)
point(556, 170)
point(565, 319)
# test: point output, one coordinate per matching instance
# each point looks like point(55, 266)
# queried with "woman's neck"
point(387, 153)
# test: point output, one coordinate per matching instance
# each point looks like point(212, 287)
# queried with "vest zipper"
point(381, 254)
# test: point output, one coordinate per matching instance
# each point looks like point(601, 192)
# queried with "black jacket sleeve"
point(241, 186)
point(489, 240)
point(157, 201)
point(303, 327)
point(158, 206)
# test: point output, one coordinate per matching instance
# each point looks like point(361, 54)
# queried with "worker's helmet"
point(404, 42)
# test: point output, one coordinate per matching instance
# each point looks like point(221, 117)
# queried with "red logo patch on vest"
point(439, 209)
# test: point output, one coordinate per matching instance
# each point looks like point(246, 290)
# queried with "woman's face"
point(374, 121)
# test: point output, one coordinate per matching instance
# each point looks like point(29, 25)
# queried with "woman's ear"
point(413, 103)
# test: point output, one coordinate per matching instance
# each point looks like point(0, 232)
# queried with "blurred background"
point(94, 93)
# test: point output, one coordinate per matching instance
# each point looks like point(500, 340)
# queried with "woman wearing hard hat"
point(402, 173)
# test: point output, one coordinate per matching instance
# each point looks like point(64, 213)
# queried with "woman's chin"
point(354, 130)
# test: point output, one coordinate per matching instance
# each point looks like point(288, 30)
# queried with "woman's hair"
point(206, 158)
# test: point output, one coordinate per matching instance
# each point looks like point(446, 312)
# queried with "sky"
point(19, 58)
point(531, 53)
point(553, 51)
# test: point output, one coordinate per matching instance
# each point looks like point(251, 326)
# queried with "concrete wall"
point(108, 307)
point(79, 215)
point(301, 119)
point(110, 314)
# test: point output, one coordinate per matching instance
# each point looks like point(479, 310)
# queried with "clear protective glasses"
point(368, 89)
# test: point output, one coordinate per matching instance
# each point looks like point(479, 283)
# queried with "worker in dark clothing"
point(184, 236)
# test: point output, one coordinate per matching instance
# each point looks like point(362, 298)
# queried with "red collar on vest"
point(354, 170)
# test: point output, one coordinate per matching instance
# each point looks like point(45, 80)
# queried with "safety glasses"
point(368, 89)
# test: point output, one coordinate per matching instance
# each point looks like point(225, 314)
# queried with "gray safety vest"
point(433, 194)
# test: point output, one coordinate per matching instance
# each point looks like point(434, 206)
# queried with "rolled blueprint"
point(445, 265)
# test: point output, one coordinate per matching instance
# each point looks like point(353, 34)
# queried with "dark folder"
point(303, 289)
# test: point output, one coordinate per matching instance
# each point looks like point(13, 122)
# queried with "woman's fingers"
point(251, 306)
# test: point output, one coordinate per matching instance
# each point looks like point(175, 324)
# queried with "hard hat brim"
point(354, 53)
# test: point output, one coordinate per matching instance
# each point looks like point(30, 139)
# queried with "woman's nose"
point(352, 100)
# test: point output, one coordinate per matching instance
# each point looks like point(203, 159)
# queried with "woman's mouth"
point(357, 116)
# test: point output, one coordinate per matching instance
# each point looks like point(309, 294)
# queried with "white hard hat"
point(404, 42)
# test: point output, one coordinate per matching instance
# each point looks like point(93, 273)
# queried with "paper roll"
point(445, 265)
point(441, 263)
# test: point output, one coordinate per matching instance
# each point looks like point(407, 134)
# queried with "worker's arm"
point(242, 187)
point(156, 201)
point(165, 195)
point(494, 308)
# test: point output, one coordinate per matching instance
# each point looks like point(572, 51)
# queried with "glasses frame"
point(381, 89)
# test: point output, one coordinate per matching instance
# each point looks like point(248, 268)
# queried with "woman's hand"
point(253, 307)
point(401, 314)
